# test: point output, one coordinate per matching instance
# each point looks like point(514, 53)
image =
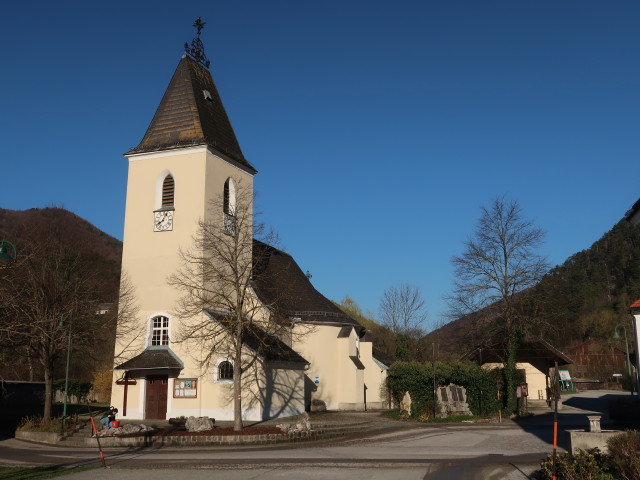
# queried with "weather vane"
point(196, 49)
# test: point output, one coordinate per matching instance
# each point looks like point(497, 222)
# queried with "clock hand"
point(161, 219)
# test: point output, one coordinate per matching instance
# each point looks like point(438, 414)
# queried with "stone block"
point(581, 440)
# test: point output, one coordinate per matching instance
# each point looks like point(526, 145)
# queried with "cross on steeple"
point(196, 49)
point(199, 24)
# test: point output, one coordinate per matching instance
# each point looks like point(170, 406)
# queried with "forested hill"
point(34, 228)
point(590, 293)
point(582, 299)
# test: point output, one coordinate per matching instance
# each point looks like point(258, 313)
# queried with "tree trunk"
point(48, 393)
point(237, 389)
point(511, 372)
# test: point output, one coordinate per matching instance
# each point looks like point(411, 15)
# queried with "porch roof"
point(158, 357)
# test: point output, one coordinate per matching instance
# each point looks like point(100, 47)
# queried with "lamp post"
point(616, 336)
point(66, 377)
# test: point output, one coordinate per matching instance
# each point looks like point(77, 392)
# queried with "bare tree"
point(49, 296)
point(218, 307)
point(498, 264)
point(122, 318)
point(403, 311)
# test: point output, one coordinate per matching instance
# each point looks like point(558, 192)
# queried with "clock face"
point(163, 221)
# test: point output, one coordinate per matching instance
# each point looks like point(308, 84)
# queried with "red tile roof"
point(636, 304)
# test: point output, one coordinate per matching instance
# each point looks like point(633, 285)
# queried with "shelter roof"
point(531, 350)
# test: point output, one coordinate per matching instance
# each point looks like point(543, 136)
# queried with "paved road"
point(511, 450)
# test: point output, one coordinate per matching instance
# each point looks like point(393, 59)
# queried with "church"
point(188, 158)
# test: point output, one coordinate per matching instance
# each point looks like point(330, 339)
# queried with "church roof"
point(281, 284)
point(190, 114)
point(268, 346)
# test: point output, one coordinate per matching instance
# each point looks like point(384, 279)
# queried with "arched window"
point(159, 330)
point(224, 371)
point(229, 197)
point(168, 191)
point(229, 207)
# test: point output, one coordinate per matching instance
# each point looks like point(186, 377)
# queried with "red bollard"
point(95, 432)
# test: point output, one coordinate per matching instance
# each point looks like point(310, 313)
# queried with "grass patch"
point(395, 414)
point(51, 425)
point(455, 418)
point(37, 473)
point(13, 416)
point(77, 415)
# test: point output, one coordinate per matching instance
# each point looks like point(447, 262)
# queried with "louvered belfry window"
point(229, 207)
point(227, 195)
point(168, 191)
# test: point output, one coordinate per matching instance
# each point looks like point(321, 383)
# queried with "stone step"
point(81, 431)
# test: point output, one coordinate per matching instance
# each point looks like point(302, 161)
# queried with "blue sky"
point(378, 128)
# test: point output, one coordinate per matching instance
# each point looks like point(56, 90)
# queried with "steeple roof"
point(191, 113)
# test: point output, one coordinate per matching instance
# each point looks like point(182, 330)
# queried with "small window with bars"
point(229, 225)
point(225, 371)
point(168, 191)
point(160, 331)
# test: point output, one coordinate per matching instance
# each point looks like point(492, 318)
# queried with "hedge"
point(77, 388)
point(481, 385)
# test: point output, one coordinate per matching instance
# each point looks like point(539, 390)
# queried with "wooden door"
point(156, 397)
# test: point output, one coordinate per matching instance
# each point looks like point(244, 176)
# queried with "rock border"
point(178, 440)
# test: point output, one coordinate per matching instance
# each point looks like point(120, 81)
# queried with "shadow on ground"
point(574, 412)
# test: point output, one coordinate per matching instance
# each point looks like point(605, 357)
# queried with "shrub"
point(624, 450)
point(102, 385)
point(318, 405)
point(585, 465)
point(77, 388)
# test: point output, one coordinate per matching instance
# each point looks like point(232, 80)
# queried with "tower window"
point(168, 191)
point(160, 330)
point(229, 197)
point(229, 207)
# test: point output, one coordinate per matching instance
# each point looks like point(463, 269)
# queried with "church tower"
point(188, 157)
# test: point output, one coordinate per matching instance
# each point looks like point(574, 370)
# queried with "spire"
point(191, 113)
